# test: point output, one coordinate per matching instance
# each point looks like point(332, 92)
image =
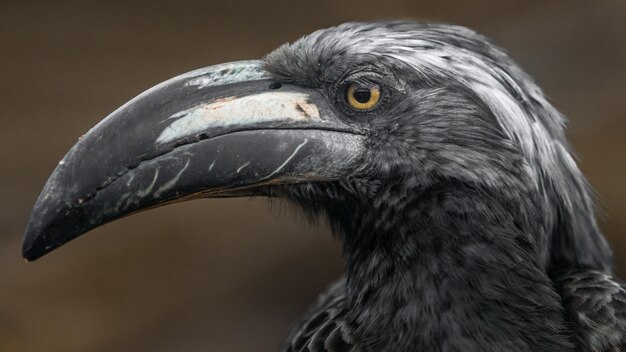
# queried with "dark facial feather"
point(462, 110)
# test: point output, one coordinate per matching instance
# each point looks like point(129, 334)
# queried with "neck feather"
point(462, 266)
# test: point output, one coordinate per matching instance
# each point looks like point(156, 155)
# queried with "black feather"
point(596, 304)
point(465, 209)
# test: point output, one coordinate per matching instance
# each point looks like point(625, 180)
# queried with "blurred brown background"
point(231, 275)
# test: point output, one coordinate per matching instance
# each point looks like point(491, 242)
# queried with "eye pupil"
point(362, 95)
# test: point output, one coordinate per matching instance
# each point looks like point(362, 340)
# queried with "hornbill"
point(465, 222)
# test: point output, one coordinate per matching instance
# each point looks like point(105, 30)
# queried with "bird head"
point(360, 116)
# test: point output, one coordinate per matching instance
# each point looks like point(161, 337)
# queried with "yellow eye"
point(363, 97)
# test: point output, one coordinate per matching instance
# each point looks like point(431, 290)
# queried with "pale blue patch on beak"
point(246, 111)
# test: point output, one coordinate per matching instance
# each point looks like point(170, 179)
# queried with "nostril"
point(276, 85)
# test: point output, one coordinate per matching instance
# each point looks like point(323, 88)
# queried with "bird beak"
point(225, 130)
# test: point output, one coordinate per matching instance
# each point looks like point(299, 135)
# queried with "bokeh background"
point(231, 275)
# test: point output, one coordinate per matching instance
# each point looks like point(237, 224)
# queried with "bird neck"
point(452, 267)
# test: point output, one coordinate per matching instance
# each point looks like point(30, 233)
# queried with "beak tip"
point(36, 241)
point(30, 255)
point(34, 251)
point(31, 248)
